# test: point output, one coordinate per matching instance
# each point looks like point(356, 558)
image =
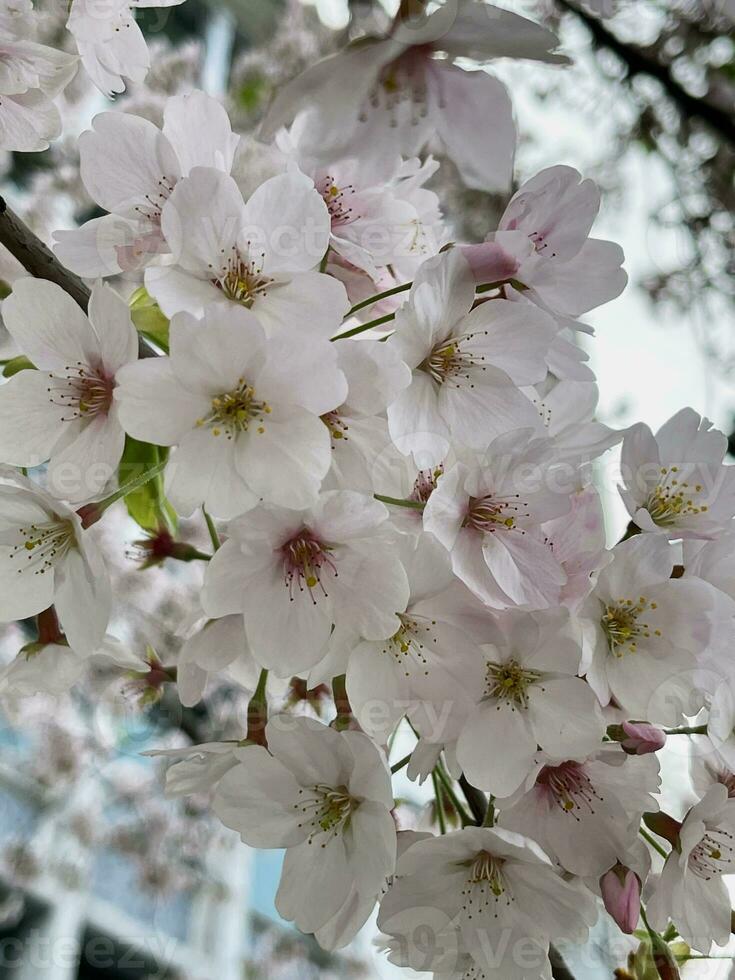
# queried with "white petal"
point(287, 220)
point(198, 128)
point(48, 326)
point(257, 799)
point(30, 424)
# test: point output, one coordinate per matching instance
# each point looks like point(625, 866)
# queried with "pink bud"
point(621, 893)
point(489, 262)
point(642, 739)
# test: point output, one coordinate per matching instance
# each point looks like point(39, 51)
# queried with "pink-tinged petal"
point(109, 246)
point(489, 262)
point(524, 567)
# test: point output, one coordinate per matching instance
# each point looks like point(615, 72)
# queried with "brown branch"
point(37, 259)
point(639, 61)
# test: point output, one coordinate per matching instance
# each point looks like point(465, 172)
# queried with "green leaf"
point(16, 364)
point(147, 505)
point(253, 93)
point(148, 318)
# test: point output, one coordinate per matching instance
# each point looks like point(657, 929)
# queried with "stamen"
point(489, 514)
point(327, 811)
point(509, 683)
point(82, 392)
point(485, 887)
point(234, 411)
point(241, 278)
point(713, 854)
point(623, 627)
point(673, 499)
point(41, 546)
point(408, 644)
point(569, 787)
point(425, 484)
point(449, 364)
point(305, 561)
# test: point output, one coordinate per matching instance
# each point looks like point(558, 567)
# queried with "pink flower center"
point(241, 278)
point(403, 81)
point(339, 199)
point(569, 787)
point(306, 561)
point(425, 484)
point(713, 855)
point(489, 514)
point(83, 392)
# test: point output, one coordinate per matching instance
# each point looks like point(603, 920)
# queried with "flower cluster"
point(389, 435)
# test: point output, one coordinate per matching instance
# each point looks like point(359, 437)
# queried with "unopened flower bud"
point(489, 262)
point(642, 738)
point(621, 894)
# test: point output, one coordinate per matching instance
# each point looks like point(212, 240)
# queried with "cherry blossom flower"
point(215, 648)
point(489, 518)
point(358, 430)
point(110, 43)
point(466, 363)
point(578, 543)
point(566, 410)
point(406, 88)
point(54, 668)
point(260, 255)
point(691, 891)
point(65, 412)
point(369, 198)
point(326, 797)
point(531, 697)
point(31, 76)
point(430, 668)
point(130, 167)
point(545, 230)
point(487, 893)
point(675, 482)
point(294, 574)
point(46, 559)
point(643, 632)
point(584, 812)
point(242, 409)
